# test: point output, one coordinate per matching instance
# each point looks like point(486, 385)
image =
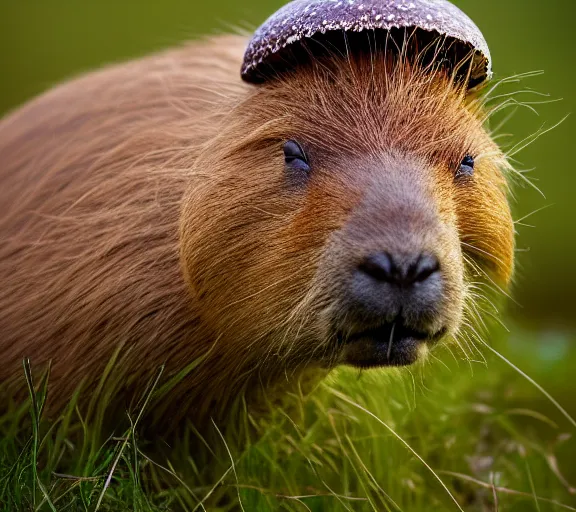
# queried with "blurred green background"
point(43, 42)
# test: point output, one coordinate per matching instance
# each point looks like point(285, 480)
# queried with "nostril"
point(380, 266)
point(400, 270)
point(425, 266)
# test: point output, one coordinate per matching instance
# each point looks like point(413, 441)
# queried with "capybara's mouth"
point(391, 344)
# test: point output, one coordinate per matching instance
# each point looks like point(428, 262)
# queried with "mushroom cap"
point(301, 19)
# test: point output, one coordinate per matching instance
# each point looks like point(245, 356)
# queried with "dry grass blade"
point(171, 473)
point(533, 382)
point(211, 491)
point(130, 434)
point(232, 462)
point(504, 490)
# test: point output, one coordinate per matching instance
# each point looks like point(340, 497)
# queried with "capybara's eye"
point(295, 157)
point(466, 167)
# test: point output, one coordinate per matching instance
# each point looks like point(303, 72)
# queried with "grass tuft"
point(436, 438)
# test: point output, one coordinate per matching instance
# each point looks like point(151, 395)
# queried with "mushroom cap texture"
point(302, 19)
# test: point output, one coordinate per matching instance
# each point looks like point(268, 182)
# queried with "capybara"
point(245, 236)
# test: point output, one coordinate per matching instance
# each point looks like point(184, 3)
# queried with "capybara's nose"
point(402, 270)
point(385, 285)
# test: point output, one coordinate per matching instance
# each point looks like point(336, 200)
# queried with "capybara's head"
point(345, 214)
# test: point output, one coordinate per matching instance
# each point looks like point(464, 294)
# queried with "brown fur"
point(145, 209)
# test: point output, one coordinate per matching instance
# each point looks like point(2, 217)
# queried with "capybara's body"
point(149, 217)
point(93, 175)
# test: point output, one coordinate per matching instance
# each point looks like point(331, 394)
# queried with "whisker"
point(535, 136)
point(391, 340)
point(512, 80)
point(483, 251)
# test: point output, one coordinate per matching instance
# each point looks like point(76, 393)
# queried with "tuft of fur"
point(146, 213)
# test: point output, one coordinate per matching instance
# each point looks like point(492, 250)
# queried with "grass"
point(449, 436)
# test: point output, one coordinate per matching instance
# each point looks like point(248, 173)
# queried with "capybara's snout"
point(396, 300)
point(393, 271)
point(389, 286)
